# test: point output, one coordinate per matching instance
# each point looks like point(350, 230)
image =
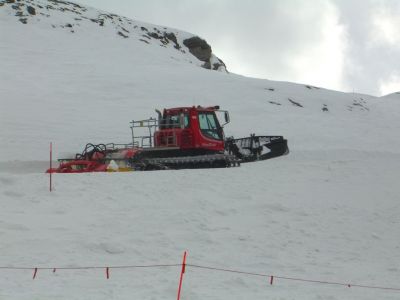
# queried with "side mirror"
point(226, 116)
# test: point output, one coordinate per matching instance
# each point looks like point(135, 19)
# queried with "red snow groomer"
point(180, 138)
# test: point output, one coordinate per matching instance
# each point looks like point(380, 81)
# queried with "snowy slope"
point(327, 211)
point(99, 81)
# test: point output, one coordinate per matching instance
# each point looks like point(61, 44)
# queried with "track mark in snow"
point(15, 227)
point(107, 248)
point(13, 194)
point(277, 208)
point(7, 181)
point(112, 248)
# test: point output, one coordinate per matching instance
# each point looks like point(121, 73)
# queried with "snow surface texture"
point(327, 211)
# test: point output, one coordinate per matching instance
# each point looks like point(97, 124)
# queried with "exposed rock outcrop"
point(202, 50)
point(31, 10)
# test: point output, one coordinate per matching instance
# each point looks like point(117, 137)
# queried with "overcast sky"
point(347, 45)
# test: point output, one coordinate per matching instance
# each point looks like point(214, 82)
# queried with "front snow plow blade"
point(255, 148)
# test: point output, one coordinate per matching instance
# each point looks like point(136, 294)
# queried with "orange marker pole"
point(181, 279)
point(51, 158)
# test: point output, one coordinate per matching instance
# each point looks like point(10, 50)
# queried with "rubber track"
point(194, 162)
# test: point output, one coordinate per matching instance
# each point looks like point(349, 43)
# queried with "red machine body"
point(81, 166)
point(190, 128)
point(180, 138)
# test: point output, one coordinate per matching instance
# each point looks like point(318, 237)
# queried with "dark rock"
point(123, 35)
point(360, 104)
point(275, 103)
point(23, 20)
point(218, 65)
point(325, 108)
point(154, 35)
point(310, 87)
point(295, 103)
point(10, 1)
point(202, 50)
point(127, 31)
point(143, 28)
point(196, 41)
point(270, 89)
point(142, 40)
point(68, 25)
point(165, 38)
point(206, 65)
point(172, 37)
point(199, 48)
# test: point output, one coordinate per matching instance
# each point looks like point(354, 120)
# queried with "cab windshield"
point(209, 125)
